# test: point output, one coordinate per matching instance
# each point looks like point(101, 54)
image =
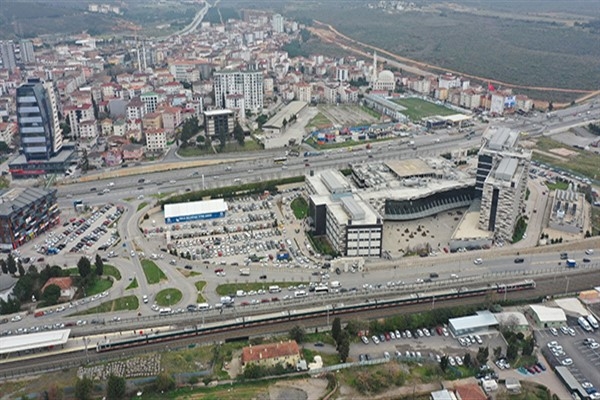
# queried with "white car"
point(589, 252)
point(478, 261)
point(365, 339)
point(566, 362)
point(451, 361)
point(375, 339)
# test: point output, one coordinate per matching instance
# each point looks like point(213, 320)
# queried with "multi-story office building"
point(496, 142)
point(37, 116)
point(503, 197)
point(40, 133)
point(7, 55)
point(25, 213)
point(249, 84)
point(351, 226)
point(217, 121)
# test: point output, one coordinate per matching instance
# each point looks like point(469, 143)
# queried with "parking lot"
point(247, 234)
point(586, 361)
point(85, 233)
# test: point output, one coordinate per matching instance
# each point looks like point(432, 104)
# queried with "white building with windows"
point(351, 226)
point(156, 139)
point(246, 83)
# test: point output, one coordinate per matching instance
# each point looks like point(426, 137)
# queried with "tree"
point(99, 265)
point(528, 346)
point(497, 352)
point(444, 363)
point(297, 333)
point(512, 351)
point(51, 295)
point(4, 266)
point(21, 269)
point(336, 330)
point(238, 134)
point(4, 148)
point(83, 388)
point(11, 264)
point(482, 355)
point(116, 387)
point(164, 382)
point(467, 359)
point(85, 162)
point(189, 129)
point(84, 267)
point(344, 347)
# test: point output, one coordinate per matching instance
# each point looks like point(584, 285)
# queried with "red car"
point(244, 303)
point(387, 336)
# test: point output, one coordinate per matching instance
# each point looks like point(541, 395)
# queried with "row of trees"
point(30, 282)
point(116, 387)
point(191, 127)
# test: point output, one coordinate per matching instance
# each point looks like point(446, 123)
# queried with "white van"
point(203, 306)
point(300, 293)
point(335, 284)
point(274, 289)
point(240, 293)
point(165, 311)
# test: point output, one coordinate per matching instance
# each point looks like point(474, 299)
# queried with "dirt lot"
point(347, 115)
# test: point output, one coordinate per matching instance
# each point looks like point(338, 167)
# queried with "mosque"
point(385, 80)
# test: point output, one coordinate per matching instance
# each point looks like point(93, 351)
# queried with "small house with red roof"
point(269, 355)
point(65, 283)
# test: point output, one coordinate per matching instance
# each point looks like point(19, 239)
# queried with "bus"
point(280, 160)
point(322, 289)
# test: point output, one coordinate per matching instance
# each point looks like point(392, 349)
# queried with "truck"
point(571, 263)
point(592, 321)
point(584, 324)
point(245, 271)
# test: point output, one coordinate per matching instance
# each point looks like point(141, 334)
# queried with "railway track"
point(546, 286)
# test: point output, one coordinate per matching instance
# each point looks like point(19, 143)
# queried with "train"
point(309, 313)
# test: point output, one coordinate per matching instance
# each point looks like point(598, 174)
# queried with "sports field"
point(417, 108)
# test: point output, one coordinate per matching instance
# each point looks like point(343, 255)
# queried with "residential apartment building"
point(150, 100)
point(156, 140)
point(27, 53)
point(135, 109)
point(78, 115)
point(277, 23)
point(248, 83)
point(152, 121)
point(7, 55)
point(303, 92)
point(216, 121)
point(25, 213)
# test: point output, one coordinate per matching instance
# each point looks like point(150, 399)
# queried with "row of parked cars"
point(559, 353)
point(406, 334)
point(469, 340)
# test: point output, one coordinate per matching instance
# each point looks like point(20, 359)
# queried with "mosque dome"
point(386, 76)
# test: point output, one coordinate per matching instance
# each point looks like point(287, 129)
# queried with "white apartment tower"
point(249, 84)
point(277, 23)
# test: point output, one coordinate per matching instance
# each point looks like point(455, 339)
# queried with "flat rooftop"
point(31, 341)
point(194, 208)
point(480, 320)
point(286, 112)
point(410, 168)
point(355, 209)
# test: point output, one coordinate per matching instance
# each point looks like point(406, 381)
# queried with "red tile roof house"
point(285, 353)
point(67, 290)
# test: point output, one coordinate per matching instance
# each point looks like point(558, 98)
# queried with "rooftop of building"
point(64, 283)
point(500, 138)
point(269, 351)
point(351, 208)
point(409, 168)
point(214, 113)
point(480, 320)
point(548, 314)
point(285, 113)
point(329, 181)
point(18, 198)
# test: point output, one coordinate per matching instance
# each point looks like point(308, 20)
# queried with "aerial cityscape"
point(299, 200)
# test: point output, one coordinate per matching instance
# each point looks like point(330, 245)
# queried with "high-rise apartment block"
point(277, 23)
point(7, 55)
point(27, 53)
point(249, 84)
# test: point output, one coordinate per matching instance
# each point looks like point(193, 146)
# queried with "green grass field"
point(153, 272)
point(134, 284)
point(318, 121)
point(99, 286)
point(300, 207)
point(111, 270)
point(416, 109)
point(583, 162)
point(120, 304)
point(142, 205)
point(168, 297)
point(234, 147)
point(200, 287)
point(193, 151)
